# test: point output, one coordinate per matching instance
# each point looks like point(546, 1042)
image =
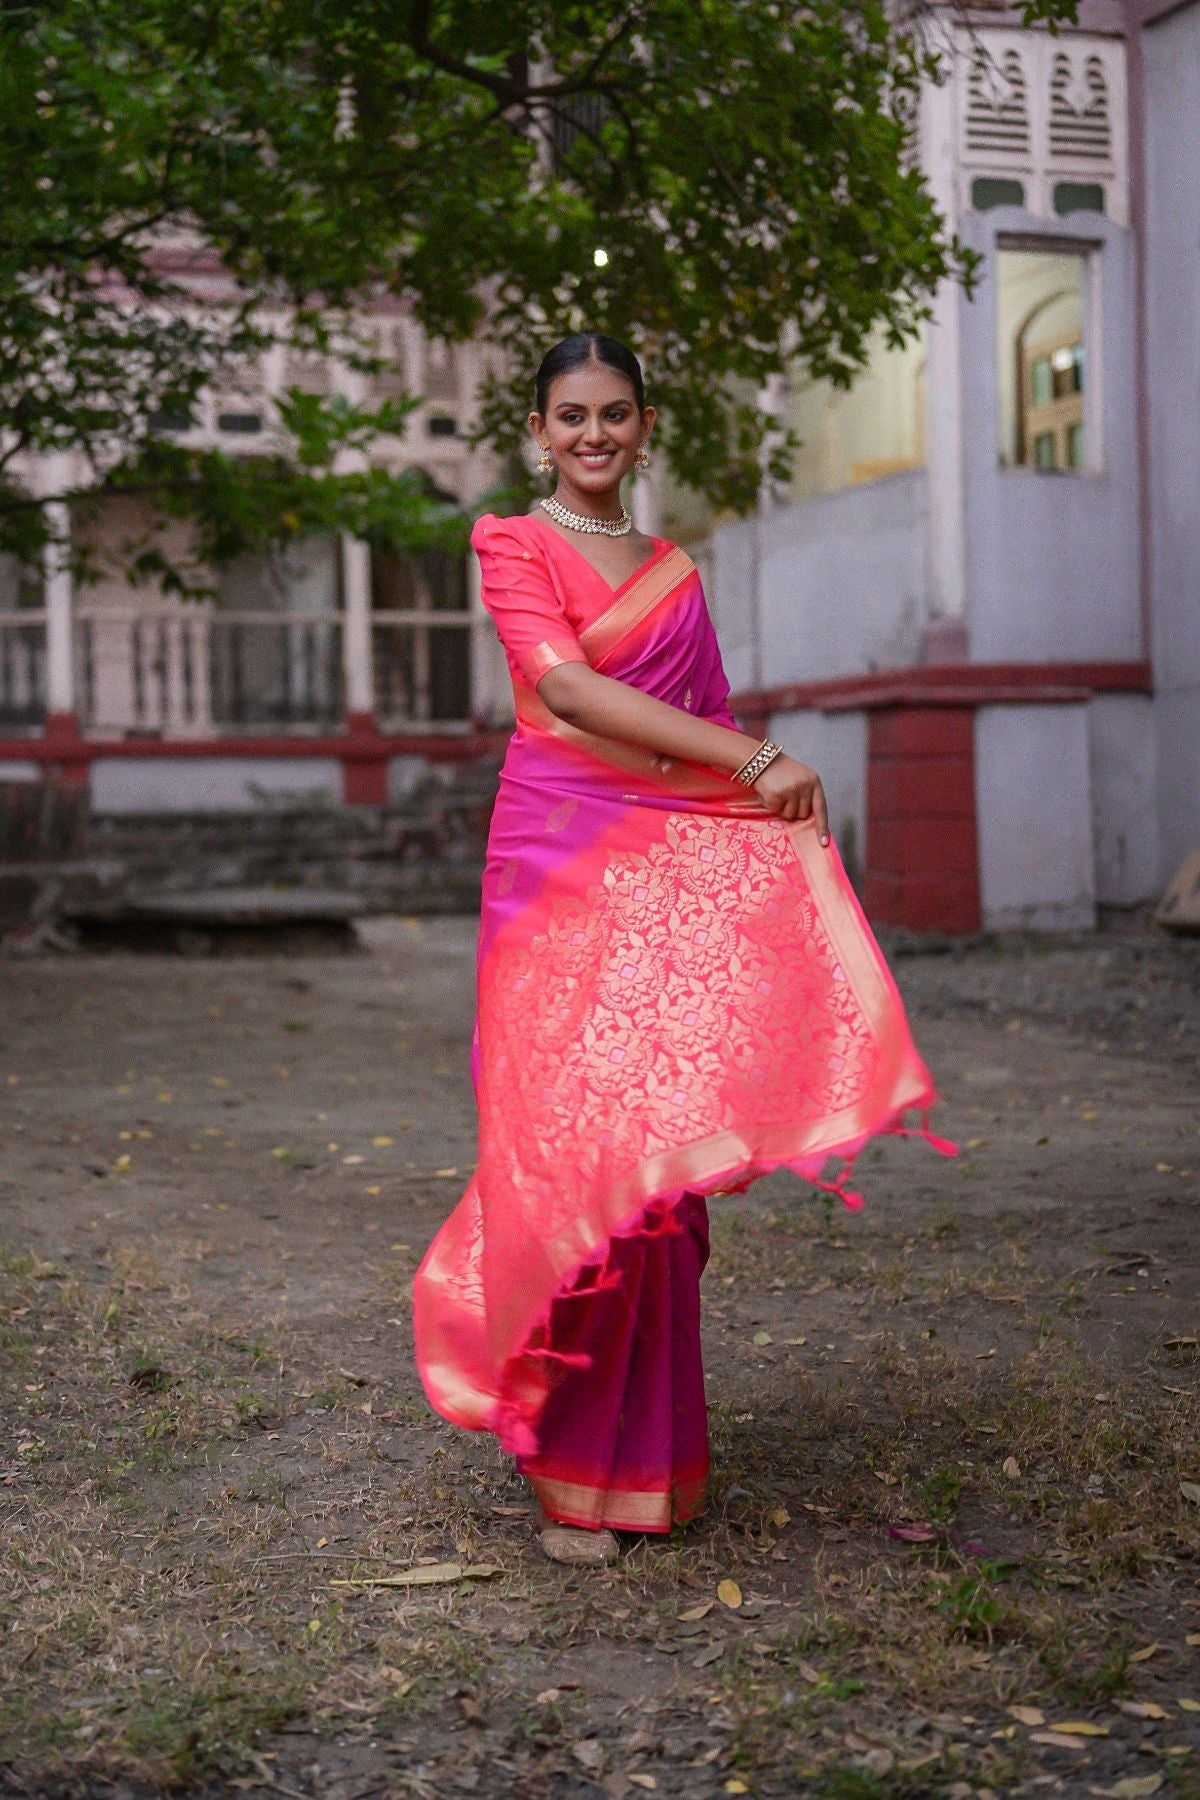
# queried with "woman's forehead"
point(591, 384)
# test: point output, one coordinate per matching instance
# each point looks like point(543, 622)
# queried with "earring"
point(545, 461)
point(642, 459)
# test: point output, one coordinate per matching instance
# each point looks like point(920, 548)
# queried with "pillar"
point(57, 586)
point(364, 756)
point(356, 633)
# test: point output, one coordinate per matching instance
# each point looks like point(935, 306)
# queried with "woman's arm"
point(581, 697)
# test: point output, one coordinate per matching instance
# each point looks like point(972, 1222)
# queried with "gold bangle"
point(754, 766)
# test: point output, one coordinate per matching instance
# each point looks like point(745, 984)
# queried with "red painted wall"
point(922, 848)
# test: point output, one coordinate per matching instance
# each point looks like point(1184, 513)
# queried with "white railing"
point(22, 668)
point(192, 670)
point(195, 669)
point(421, 664)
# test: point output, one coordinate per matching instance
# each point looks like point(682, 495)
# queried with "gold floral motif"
point(692, 990)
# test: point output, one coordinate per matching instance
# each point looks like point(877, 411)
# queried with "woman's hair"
point(589, 346)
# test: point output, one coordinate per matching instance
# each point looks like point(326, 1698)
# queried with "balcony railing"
point(22, 669)
point(193, 670)
point(422, 667)
point(199, 671)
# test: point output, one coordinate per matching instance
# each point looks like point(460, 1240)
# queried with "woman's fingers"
point(821, 812)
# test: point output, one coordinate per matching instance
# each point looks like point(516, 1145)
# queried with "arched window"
point(1050, 362)
point(1040, 357)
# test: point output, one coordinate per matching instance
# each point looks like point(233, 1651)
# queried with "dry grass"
point(177, 1499)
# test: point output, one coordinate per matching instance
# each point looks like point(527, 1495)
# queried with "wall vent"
point(997, 122)
point(1080, 127)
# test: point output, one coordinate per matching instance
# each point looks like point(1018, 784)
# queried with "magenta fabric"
point(624, 1431)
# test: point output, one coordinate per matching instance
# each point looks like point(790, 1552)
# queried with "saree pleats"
point(677, 993)
point(624, 1430)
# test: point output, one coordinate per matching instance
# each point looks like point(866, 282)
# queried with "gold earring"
point(545, 461)
point(642, 459)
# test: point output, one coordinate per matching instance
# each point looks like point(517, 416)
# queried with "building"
point(977, 611)
point(328, 674)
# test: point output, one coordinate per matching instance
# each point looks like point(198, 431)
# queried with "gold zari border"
point(605, 632)
point(575, 1502)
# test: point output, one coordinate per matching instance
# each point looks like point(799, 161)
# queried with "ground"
point(955, 1516)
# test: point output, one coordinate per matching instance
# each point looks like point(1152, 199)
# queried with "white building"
point(977, 612)
point(329, 673)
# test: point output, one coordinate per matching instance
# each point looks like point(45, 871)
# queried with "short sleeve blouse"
point(520, 596)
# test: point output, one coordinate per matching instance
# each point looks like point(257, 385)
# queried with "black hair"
point(583, 347)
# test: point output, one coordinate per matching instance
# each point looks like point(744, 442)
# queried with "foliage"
point(706, 178)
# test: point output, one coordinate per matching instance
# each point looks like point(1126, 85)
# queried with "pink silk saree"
point(677, 993)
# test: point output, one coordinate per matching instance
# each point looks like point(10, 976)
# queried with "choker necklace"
point(618, 527)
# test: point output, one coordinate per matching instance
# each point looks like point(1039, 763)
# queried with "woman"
point(677, 993)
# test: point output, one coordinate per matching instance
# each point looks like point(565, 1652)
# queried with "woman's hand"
point(793, 791)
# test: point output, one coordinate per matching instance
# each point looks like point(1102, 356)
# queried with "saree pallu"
point(677, 993)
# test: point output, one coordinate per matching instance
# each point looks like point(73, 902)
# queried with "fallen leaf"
point(1011, 1468)
point(729, 1593)
point(762, 1338)
point(1189, 1489)
point(780, 1517)
point(432, 1575)
point(1027, 1715)
point(1080, 1728)
point(1192, 1638)
point(352, 1161)
point(985, 1355)
point(1144, 1655)
point(445, 1172)
point(710, 1654)
point(913, 1534)
point(373, 1191)
point(1134, 1787)
point(799, 1340)
point(807, 1673)
point(696, 1612)
point(1056, 1739)
point(883, 1475)
point(123, 1165)
point(1192, 1706)
point(589, 1754)
point(734, 1786)
point(644, 1781)
point(382, 1143)
point(1142, 1709)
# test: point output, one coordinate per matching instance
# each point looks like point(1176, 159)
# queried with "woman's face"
point(592, 426)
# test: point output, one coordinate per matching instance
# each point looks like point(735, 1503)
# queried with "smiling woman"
point(677, 992)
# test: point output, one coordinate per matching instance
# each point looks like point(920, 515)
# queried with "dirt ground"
point(952, 1548)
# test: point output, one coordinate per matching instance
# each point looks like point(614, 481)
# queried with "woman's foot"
point(574, 1544)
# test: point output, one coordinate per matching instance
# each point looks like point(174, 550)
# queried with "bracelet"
point(762, 759)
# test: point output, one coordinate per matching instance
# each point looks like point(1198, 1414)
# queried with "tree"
point(702, 177)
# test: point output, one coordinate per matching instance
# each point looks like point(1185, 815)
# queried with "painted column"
point(356, 632)
point(57, 586)
point(947, 630)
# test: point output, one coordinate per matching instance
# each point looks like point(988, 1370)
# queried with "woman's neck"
point(591, 505)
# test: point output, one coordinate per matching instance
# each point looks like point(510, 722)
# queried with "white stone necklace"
point(618, 527)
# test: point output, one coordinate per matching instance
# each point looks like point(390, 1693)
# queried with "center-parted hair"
point(584, 347)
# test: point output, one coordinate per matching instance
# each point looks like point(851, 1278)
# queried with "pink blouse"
point(540, 591)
